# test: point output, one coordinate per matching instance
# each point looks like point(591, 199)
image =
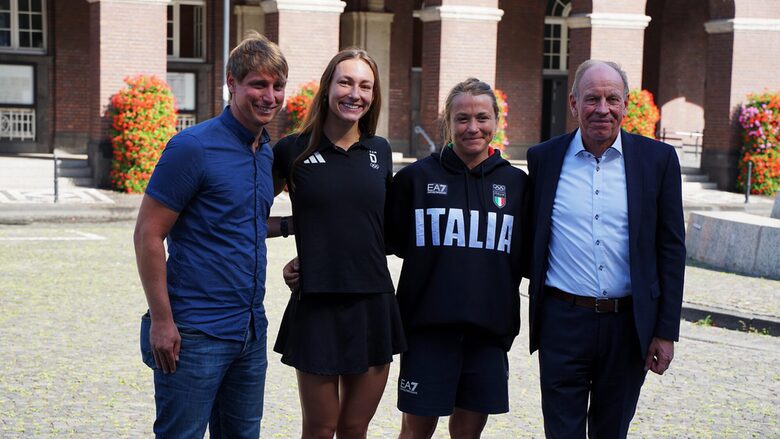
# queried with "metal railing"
point(56, 177)
point(185, 121)
point(419, 130)
point(747, 185)
point(17, 123)
point(679, 138)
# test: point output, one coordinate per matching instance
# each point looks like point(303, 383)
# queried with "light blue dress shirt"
point(589, 235)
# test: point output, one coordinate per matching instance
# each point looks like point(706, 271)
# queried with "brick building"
point(61, 60)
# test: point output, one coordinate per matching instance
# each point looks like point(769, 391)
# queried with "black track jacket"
point(462, 235)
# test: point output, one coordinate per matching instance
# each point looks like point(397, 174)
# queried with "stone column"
point(459, 41)
point(370, 30)
point(741, 59)
point(518, 67)
point(307, 32)
point(607, 36)
point(400, 94)
point(127, 38)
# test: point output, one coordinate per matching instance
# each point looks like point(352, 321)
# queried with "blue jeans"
point(217, 382)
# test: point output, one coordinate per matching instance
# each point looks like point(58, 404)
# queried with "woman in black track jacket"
point(457, 218)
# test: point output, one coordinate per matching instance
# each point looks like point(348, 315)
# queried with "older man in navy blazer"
point(607, 264)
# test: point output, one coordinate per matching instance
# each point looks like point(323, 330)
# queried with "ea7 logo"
point(437, 188)
point(408, 386)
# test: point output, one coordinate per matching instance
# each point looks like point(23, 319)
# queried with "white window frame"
point(15, 31)
point(177, 30)
point(560, 20)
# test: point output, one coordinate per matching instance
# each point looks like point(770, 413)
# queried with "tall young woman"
point(342, 325)
point(457, 220)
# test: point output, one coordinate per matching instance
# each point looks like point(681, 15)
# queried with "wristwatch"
point(284, 227)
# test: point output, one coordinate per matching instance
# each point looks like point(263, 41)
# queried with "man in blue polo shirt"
point(210, 196)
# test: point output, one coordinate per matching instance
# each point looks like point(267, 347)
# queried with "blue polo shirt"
point(216, 249)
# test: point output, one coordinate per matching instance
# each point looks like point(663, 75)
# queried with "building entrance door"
point(554, 106)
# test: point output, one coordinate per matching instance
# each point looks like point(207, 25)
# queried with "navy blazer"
point(656, 232)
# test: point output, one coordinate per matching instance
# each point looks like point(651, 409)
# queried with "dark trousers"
point(585, 355)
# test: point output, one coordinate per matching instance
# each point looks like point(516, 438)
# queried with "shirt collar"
point(246, 136)
point(325, 143)
point(576, 146)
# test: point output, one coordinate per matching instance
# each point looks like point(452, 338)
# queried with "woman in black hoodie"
point(457, 220)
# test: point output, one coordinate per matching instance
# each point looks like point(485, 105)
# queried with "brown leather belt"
point(598, 305)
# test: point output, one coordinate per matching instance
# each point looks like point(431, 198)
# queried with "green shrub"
point(500, 140)
point(759, 120)
point(143, 118)
point(642, 114)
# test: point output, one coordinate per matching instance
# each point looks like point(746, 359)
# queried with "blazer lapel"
point(634, 187)
point(550, 167)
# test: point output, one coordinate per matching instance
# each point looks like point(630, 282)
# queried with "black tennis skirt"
point(340, 334)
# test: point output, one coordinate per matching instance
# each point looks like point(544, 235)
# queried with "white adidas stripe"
point(315, 158)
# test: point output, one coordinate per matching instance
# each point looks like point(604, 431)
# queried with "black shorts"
point(447, 368)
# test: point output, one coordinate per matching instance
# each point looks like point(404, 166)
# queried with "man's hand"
point(166, 343)
point(291, 274)
point(659, 355)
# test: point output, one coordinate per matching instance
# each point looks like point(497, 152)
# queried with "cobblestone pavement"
point(755, 295)
point(71, 303)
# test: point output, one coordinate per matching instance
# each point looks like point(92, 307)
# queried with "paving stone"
point(71, 368)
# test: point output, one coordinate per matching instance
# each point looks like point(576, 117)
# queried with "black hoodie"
point(461, 234)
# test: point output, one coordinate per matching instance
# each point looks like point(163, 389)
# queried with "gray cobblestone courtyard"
point(71, 303)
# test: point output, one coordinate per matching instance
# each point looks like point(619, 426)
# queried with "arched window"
point(556, 37)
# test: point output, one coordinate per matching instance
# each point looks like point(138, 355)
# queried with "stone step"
point(46, 183)
point(36, 172)
point(73, 163)
point(699, 185)
point(695, 178)
point(76, 172)
point(75, 182)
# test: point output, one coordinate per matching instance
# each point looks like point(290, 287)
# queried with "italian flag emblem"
point(499, 195)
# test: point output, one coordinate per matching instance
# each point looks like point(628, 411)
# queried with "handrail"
point(696, 135)
point(747, 185)
point(419, 130)
point(56, 178)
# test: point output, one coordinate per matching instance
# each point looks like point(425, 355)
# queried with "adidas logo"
point(315, 158)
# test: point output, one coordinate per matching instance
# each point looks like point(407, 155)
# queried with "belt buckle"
point(599, 311)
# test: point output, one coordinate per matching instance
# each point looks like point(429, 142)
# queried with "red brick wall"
point(214, 24)
point(651, 56)
point(70, 82)
point(308, 40)
point(717, 161)
point(519, 68)
point(624, 46)
point(717, 96)
point(683, 56)
point(731, 75)
point(579, 52)
point(429, 89)
point(126, 39)
point(401, 49)
point(448, 59)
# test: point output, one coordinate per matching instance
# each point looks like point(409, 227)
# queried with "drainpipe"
point(225, 51)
